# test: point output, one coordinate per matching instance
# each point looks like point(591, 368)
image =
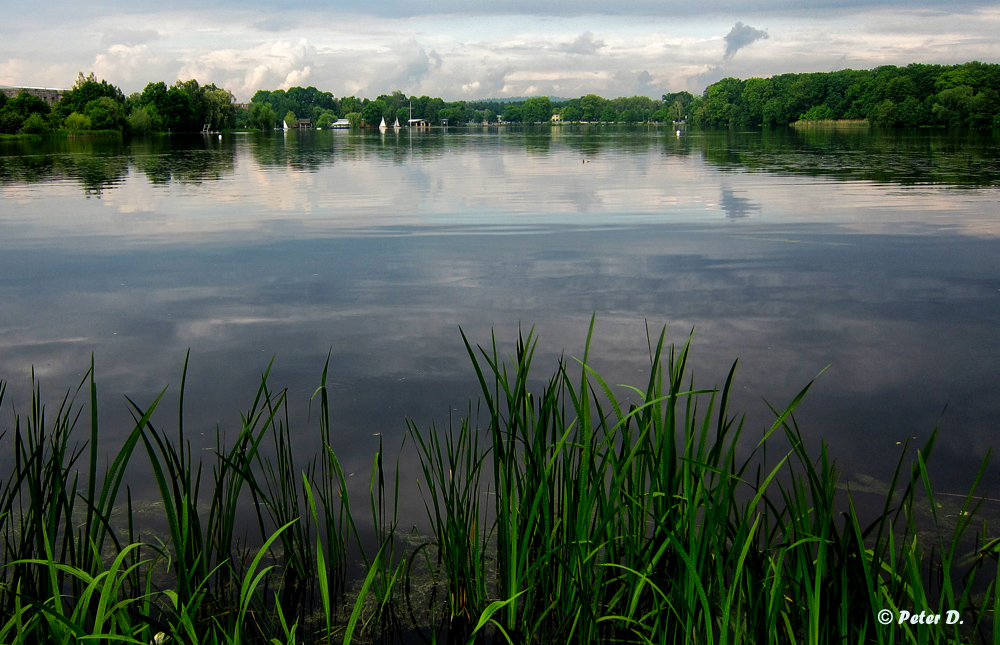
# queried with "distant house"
point(418, 123)
point(341, 123)
point(304, 124)
point(48, 94)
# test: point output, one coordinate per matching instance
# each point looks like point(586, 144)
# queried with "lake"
point(873, 254)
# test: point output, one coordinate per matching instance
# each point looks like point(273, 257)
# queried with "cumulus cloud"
point(281, 63)
point(740, 36)
point(584, 44)
point(296, 77)
point(408, 65)
point(120, 62)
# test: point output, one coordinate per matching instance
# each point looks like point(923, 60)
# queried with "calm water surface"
point(876, 254)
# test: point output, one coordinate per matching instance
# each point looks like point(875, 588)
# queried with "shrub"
point(35, 124)
point(77, 122)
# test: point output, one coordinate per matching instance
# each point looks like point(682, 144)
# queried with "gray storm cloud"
point(740, 36)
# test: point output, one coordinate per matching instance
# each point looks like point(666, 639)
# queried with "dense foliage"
point(887, 96)
point(966, 95)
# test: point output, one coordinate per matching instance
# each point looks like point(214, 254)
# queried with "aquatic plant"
point(559, 512)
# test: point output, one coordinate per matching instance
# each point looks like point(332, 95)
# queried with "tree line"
point(966, 95)
point(887, 96)
point(92, 105)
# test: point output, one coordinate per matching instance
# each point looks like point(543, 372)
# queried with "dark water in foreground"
point(877, 254)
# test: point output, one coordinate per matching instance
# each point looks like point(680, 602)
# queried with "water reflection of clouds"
point(287, 262)
point(883, 310)
point(482, 179)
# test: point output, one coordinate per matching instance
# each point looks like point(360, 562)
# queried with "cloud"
point(740, 36)
point(129, 37)
point(408, 65)
point(644, 84)
point(584, 44)
point(282, 63)
point(121, 62)
point(296, 77)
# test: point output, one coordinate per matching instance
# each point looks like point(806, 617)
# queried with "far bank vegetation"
point(966, 95)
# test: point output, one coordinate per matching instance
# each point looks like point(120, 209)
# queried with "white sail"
point(382, 126)
point(396, 125)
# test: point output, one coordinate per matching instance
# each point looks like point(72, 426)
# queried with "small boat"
point(395, 126)
point(382, 126)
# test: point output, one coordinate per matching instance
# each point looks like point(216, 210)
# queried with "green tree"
point(262, 116)
point(511, 113)
point(10, 122)
point(220, 111)
point(35, 124)
point(817, 113)
point(676, 111)
point(349, 104)
point(570, 113)
point(373, 112)
point(884, 115)
point(24, 105)
point(177, 113)
point(591, 106)
point(325, 119)
point(900, 88)
point(756, 93)
point(537, 109)
point(77, 122)
point(143, 120)
point(911, 112)
point(85, 90)
point(721, 99)
point(952, 105)
point(291, 120)
point(982, 109)
point(353, 119)
point(105, 114)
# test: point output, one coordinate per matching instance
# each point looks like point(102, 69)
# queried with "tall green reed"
point(574, 515)
point(659, 521)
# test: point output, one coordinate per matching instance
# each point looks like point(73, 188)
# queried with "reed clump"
point(557, 514)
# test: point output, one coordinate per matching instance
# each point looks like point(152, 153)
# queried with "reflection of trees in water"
point(100, 164)
point(737, 207)
point(97, 163)
point(189, 160)
point(307, 150)
point(963, 158)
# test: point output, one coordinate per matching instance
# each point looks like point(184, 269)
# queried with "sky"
point(477, 49)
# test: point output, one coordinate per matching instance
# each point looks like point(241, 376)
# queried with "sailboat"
point(396, 124)
point(382, 126)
